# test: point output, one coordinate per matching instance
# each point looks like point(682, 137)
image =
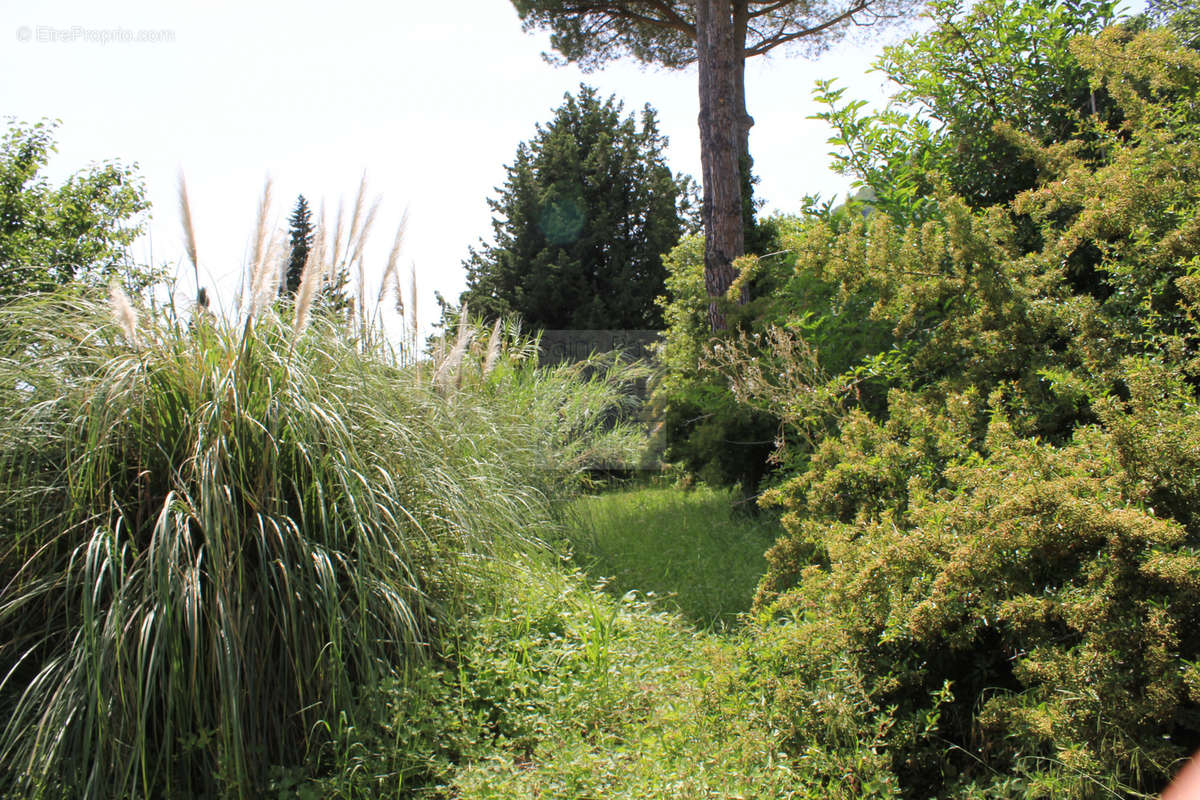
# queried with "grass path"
point(622, 697)
point(559, 691)
point(691, 549)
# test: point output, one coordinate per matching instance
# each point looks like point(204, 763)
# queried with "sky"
point(430, 99)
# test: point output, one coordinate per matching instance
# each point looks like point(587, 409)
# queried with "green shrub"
point(988, 581)
point(703, 426)
point(1035, 615)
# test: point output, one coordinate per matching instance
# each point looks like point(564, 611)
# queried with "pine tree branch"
point(771, 6)
point(775, 41)
point(618, 10)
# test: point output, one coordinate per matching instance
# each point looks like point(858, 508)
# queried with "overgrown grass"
point(691, 548)
point(218, 535)
point(556, 690)
point(611, 697)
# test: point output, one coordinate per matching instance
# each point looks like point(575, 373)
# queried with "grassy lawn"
point(688, 547)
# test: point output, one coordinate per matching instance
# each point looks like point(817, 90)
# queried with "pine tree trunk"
point(743, 122)
point(724, 239)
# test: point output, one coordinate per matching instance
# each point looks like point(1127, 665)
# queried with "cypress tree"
point(300, 237)
point(588, 209)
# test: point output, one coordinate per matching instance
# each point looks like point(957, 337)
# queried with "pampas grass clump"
point(217, 534)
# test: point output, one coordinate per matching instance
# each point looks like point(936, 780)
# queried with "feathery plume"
point(399, 295)
point(321, 228)
point(337, 240)
point(449, 365)
point(123, 314)
point(356, 215)
point(412, 304)
point(189, 232)
point(258, 257)
point(361, 272)
point(260, 263)
point(493, 351)
point(390, 272)
point(310, 280)
point(276, 268)
point(189, 239)
point(361, 239)
point(271, 277)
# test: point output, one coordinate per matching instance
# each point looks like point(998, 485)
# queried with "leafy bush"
point(725, 439)
point(994, 620)
point(698, 424)
point(80, 230)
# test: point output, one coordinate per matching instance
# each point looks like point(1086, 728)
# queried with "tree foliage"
point(586, 211)
point(300, 241)
point(52, 235)
point(1181, 17)
point(978, 73)
point(592, 32)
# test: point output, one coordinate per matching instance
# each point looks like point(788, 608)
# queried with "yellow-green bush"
point(990, 583)
point(1034, 615)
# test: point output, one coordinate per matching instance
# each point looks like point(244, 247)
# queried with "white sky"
point(430, 98)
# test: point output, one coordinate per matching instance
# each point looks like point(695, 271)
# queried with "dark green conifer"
point(300, 239)
point(588, 209)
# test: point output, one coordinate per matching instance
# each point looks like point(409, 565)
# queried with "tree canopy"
point(664, 32)
point(586, 211)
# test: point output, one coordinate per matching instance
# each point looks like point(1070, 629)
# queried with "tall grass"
point(218, 534)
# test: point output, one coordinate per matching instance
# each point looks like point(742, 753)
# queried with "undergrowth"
point(559, 690)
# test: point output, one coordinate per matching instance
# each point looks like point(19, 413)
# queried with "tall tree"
point(300, 239)
point(718, 36)
point(587, 211)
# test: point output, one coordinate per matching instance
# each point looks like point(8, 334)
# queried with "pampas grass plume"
point(262, 273)
point(390, 272)
point(310, 280)
point(189, 232)
point(450, 363)
point(493, 351)
point(123, 313)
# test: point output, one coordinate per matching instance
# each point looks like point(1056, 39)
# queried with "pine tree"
point(300, 237)
point(718, 36)
point(586, 212)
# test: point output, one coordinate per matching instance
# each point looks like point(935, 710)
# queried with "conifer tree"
point(300, 239)
point(588, 209)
